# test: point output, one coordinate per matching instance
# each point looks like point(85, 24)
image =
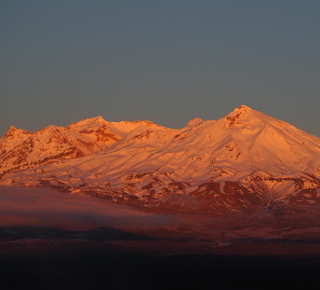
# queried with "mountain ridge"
point(242, 161)
point(76, 140)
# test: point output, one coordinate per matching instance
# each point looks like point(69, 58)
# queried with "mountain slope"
point(21, 149)
point(246, 161)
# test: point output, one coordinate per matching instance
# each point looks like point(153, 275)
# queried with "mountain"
point(244, 162)
point(21, 149)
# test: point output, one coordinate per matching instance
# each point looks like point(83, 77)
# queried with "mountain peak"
point(194, 122)
point(244, 108)
point(244, 116)
point(240, 112)
point(88, 124)
point(97, 119)
point(13, 131)
point(12, 128)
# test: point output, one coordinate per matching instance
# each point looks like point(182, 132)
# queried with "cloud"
point(48, 207)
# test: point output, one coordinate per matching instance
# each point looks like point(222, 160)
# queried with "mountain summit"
point(244, 160)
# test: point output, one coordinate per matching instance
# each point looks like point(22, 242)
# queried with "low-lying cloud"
point(48, 207)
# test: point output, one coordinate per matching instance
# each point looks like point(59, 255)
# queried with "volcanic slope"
point(246, 161)
point(21, 149)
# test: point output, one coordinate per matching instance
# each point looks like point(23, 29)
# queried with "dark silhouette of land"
point(40, 257)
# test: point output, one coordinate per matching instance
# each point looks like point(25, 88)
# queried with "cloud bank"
point(48, 207)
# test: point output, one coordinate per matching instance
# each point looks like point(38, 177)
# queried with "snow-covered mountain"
point(244, 162)
point(21, 149)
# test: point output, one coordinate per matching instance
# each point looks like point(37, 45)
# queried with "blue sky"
point(164, 61)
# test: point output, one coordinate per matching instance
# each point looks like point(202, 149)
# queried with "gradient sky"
point(164, 61)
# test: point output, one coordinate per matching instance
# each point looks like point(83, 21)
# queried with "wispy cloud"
point(48, 207)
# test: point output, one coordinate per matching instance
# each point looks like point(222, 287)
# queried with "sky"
point(166, 61)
